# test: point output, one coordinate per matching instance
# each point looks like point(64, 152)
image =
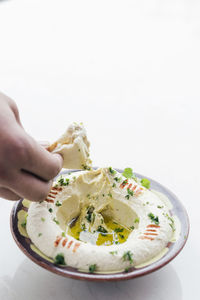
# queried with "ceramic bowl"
point(25, 244)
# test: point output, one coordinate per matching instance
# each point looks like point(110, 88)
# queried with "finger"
point(30, 187)
point(8, 194)
point(42, 163)
point(44, 144)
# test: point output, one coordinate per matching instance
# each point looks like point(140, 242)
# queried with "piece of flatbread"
point(73, 145)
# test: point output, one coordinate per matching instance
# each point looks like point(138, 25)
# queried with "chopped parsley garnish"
point(128, 173)
point(101, 229)
point(172, 225)
point(58, 203)
point(160, 206)
point(50, 210)
point(121, 236)
point(63, 182)
point(88, 196)
point(83, 227)
point(92, 268)
point(56, 221)
point(59, 259)
point(114, 185)
point(113, 252)
point(23, 224)
point(145, 182)
point(126, 270)
point(124, 182)
point(67, 181)
point(86, 167)
point(128, 256)
point(103, 195)
point(118, 179)
point(89, 213)
point(118, 230)
point(130, 193)
point(111, 171)
point(39, 234)
point(63, 234)
point(42, 219)
point(137, 220)
point(153, 218)
point(132, 227)
point(110, 195)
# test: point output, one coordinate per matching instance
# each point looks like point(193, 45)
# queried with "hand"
point(26, 168)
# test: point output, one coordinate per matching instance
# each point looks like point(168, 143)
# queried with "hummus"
point(73, 145)
point(100, 221)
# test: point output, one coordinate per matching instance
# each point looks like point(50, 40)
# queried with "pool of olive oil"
point(117, 233)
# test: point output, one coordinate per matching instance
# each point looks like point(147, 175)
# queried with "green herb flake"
point(145, 182)
point(63, 234)
point(132, 227)
point(113, 252)
point(83, 227)
point(160, 206)
point(50, 210)
point(89, 213)
point(137, 220)
point(112, 171)
point(117, 179)
point(23, 224)
point(118, 230)
point(171, 224)
point(153, 218)
point(130, 192)
point(86, 167)
point(43, 219)
point(114, 185)
point(59, 259)
point(128, 173)
point(101, 229)
point(126, 270)
point(121, 236)
point(39, 234)
point(110, 195)
point(58, 203)
point(128, 256)
point(92, 268)
point(56, 221)
point(63, 182)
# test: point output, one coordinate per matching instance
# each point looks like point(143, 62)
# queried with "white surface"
point(130, 71)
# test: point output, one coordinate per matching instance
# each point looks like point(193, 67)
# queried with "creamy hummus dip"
point(100, 221)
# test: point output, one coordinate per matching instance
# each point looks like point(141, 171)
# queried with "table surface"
point(130, 71)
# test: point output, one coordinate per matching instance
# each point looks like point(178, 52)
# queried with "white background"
point(130, 70)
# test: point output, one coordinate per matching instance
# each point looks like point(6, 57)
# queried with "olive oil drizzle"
point(117, 233)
